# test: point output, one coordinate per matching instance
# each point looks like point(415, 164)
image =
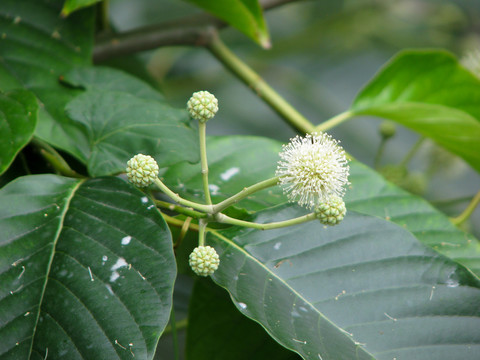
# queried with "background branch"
point(191, 31)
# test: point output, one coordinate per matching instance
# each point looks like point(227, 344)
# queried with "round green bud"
point(331, 212)
point(387, 129)
point(204, 260)
point(202, 106)
point(142, 170)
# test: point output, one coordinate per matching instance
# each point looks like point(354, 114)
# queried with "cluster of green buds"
point(331, 212)
point(142, 170)
point(313, 171)
point(202, 106)
point(204, 260)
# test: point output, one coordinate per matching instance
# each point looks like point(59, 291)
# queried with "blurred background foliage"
point(322, 54)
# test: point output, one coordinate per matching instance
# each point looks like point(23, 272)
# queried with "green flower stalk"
point(204, 260)
point(142, 170)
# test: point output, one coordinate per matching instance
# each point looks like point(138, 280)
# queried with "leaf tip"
point(264, 41)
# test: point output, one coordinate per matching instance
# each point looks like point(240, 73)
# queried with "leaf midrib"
point(273, 275)
point(50, 260)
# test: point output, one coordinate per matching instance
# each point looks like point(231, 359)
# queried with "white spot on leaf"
point(213, 189)
point(126, 240)
point(227, 175)
point(119, 264)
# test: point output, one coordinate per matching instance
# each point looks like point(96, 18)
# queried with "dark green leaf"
point(233, 162)
point(36, 48)
point(211, 306)
point(109, 79)
point(18, 116)
point(120, 125)
point(429, 92)
point(371, 194)
point(245, 15)
point(363, 289)
point(86, 269)
point(73, 5)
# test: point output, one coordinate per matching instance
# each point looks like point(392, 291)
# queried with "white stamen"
point(313, 169)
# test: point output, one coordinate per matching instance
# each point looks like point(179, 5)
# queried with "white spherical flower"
point(202, 106)
point(313, 169)
point(204, 260)
point(142, 170)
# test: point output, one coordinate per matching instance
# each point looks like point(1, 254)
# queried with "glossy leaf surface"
point(37, 47)
point(76, 259)
point(120, 125)
point(361, 290)
point(371, 194)
point(109, 79)
point(245, 15)
point(431, 93)
point(18, 116)
point(73, 5)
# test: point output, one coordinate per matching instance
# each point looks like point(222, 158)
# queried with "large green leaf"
point(86, 269)
point(36, 48)
point(431, 93)
point(109, 79)
point(371, 194)
point(361, 290)
point(210, 305)
point(120, 125)
point(18, 116)
point(234, 162)
point(73, 5)
point(245, 15)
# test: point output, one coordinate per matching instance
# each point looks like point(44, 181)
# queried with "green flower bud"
point(142, 170)
point(387, 129)
point(204, 260)
point(202, 106)
point(331, 212)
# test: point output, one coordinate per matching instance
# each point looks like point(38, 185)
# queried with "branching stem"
point(334, 121)
point(242, 71)
point(412, 151)
point(221, 218)
point(468, 211)
point(55, 159)
point(177, 198)
point(179, 209)
point(244, 193)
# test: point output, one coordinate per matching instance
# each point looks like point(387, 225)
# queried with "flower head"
point(202, 106)
point(331, 212)
point(313, 169)
point(142, 170)
point(204, 260)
